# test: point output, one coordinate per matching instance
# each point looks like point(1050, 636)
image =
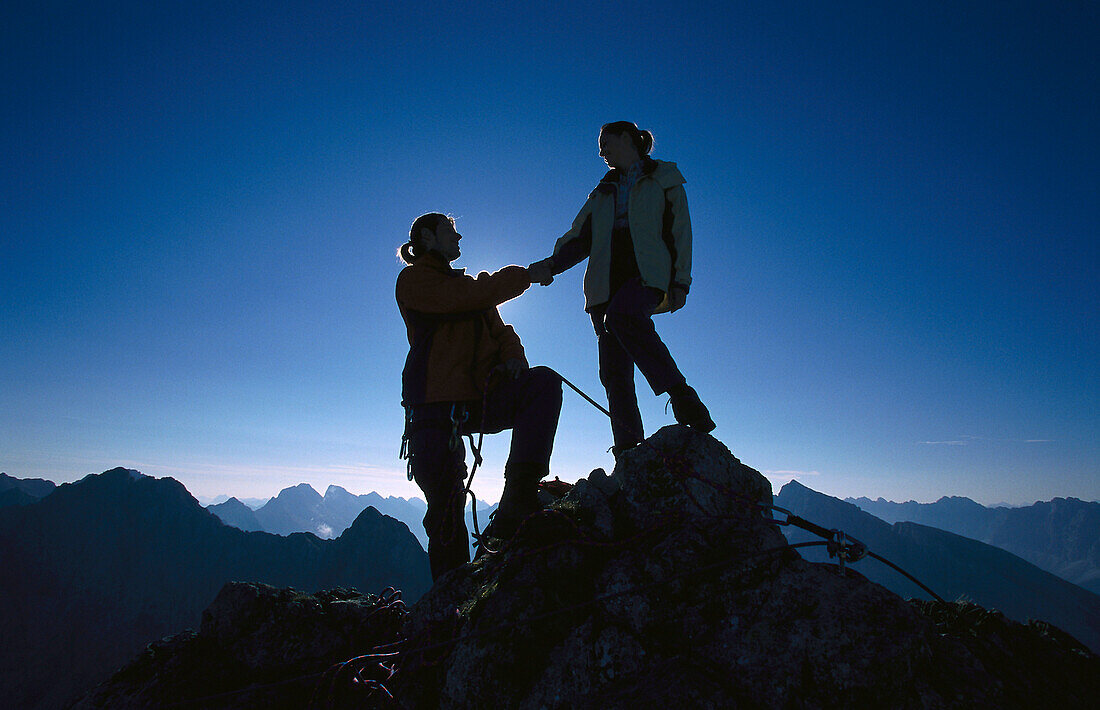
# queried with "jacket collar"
point(609, 181)
point(433, 261)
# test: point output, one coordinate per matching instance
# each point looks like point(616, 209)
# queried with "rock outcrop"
point(257, 647)
point(667, 585)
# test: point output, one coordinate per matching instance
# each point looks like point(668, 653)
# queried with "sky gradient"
point(895, 210)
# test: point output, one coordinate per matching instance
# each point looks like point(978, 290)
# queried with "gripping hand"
point(540, 272)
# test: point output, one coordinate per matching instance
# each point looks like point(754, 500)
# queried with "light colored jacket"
point(660, 229)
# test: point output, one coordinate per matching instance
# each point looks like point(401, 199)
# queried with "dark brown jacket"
point(456, 335)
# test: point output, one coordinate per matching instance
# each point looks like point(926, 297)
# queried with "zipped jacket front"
point(660, 229)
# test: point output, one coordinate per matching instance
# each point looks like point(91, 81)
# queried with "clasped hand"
point(540, 272)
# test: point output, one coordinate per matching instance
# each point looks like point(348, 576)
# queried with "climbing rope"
point(840, 545)
point(579, 391)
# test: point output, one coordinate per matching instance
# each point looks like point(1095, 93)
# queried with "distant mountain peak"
point(365, 526)
point(958, 500)
point(130, 473)
point(21, 491)
point(339, 494)
point(123, 481)
point(794, 486)
point(302, 490)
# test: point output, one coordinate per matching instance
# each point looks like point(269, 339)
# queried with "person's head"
point(622, 144)
point(431, 232)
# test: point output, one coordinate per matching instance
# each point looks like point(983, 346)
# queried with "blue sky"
point(895, 211)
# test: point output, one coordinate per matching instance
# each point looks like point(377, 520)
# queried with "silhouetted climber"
point(466, 372)
point(636, 233)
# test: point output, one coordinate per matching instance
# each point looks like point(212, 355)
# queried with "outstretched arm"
point(572, 248)
point(436, 292)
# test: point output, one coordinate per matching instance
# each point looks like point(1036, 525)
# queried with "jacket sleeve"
point(681, 235)
point(431, 291)
point(575, 245)
point(506, 338)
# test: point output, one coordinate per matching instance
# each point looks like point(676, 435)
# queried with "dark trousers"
point(626, 337)
point(528, 405)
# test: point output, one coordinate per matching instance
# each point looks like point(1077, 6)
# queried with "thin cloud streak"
point(967, 440)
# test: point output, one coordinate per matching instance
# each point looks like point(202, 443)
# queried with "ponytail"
point(407, 252)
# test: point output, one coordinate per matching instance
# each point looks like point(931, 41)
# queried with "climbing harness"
point(459, 415)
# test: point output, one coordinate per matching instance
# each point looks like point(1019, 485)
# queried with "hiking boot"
point(618, 451)
point(689, 410)
point(520, 499)
point(502, 525)
point(486, 543)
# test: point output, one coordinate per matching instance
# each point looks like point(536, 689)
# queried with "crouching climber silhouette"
point(466, 372)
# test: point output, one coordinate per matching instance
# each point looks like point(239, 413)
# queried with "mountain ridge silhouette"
point(101, 567)
point(1061, 536)
point(664, 584)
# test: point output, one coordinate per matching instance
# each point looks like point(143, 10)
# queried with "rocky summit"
point(667, 584)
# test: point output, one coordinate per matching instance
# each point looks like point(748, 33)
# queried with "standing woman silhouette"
point(636, 233)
